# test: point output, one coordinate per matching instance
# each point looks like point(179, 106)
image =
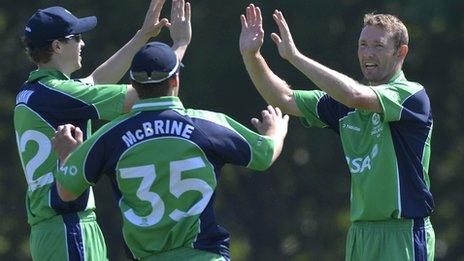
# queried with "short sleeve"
point(319, 109)
point(106, 99)
point(234, 143)
point(73, 176)
point(262, 147)
point(403, 102)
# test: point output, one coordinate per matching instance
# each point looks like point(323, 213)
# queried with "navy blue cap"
point(154, 63)
point(54, 23)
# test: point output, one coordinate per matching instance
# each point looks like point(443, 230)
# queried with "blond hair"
point(391, 24)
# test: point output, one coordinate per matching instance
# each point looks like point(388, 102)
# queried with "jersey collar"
point(161, 103)
point(398, 77)
point(46, 72)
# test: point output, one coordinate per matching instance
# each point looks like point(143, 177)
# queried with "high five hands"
point(180, 27)
point(252, 34)
point(152, 25)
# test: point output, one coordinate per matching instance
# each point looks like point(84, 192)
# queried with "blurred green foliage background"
point(297, 210)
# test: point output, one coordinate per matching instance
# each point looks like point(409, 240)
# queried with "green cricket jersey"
point(48, 99)
point(165, 163)
point(388, 154)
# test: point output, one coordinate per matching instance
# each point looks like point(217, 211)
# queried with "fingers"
point(64, 133)
point(249, 12)
point(78, 135)
point(275, 37)
point(255, 122)
point(278, 112)
point(243, 20)
point(265, 114)
point(156, 6)
point(162, 23)
point(188, 11)
point(271, 110)
point(286, 118)
point(253, 15)
point(180, 11)
point(65, 129)
point(177, 10)
point(174, 10)
point(181, 6)
point(259, 18)
point(281, 24)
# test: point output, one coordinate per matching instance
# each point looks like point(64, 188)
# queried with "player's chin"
point(369, 75)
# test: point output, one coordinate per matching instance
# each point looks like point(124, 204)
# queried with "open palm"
point(180, 28)
point(284, 42)
point(252, 35)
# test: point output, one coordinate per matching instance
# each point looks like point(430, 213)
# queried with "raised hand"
point(284, 42)
point(152, 25)
point(180, 27)
point(273, 123)
point(252, 35)
point(67, 139)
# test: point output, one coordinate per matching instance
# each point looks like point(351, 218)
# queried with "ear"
point(174, 81)
point(402, 51)
point(56, 46)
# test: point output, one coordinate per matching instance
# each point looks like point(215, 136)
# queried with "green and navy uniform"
point(165, 161)
point(60, 230)
point(388, 157)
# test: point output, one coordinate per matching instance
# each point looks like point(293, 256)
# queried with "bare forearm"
point(278, 145)
point(113, 69)
point(180, 49)
point(273, 89)
point(337, 85)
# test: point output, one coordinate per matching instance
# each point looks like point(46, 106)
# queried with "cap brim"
point(85, 24)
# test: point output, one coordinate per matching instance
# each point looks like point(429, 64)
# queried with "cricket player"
point(166, 161)
point(68, 230)
point(385, 128)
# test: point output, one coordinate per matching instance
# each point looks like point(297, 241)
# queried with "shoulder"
point(63, 84)
point(113, 126)
point(402, 91)
point(209, 116)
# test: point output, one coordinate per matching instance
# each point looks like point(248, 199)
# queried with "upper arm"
point(261, 147)
point(403, 102)
point(364, 98)
point(131, 98)
point(106, 100)
point(234, 143)
point(81, 170)
point(290, 106)
point(319, 109)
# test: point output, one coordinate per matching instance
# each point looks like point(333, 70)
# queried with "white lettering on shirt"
point(148, 129)
point(359, 165)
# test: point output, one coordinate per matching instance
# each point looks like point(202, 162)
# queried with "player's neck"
point(53, 65)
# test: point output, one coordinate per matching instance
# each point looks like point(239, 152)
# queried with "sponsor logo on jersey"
point(377, 128)
point(157, 127)
point(351, 127)
point(361, 164)
point(375, 119)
